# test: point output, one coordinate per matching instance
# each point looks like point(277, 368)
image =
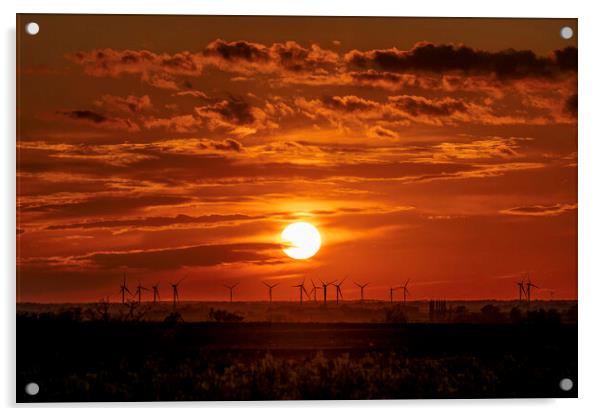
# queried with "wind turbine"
point(529, 286)
point(231, 288)
point(124, 289)
point(405, 291)
point(270, 287)
point(302, 289)
point(176, 296)
point(314, 290)
point(139, 290)
point(391, 290)
point(521, 289)
point(325, 287)
point(361, 286)
point(156, 296)
point(339, 291)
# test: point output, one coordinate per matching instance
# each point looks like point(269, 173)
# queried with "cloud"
point(570, 105)
point(101, 205)
point(402, 110)
point(192, 93)
point(379, 132)
point(425, 56)
point(288, 56)
point(174, 258)
point(98, 120)
point(540, 210)
point(495, 147)
point(235, 115)
point(416, 106)
point(130, 104)
point(228, 144)
point(156, 69)
point(155, 222)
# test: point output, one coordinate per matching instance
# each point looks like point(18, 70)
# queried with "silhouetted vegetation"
point(173, 318)
point(85, 359)
point(219, 315)
point(395, 314)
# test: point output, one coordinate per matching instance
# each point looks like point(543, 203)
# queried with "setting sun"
point(302, 240)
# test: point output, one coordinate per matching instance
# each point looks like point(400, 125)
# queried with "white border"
point(590, 202)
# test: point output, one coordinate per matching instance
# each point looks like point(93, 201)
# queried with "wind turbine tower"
point(270, 287)
point(139, 290)
point(405, 291)
point(302, 290)
point(231, 288)
point(339, 292)
point(391, 290)
point(314, 291)
point(123, 289)
point(176, 295)
point(521, 289)
point(156, 296)
point(529, 286)
point(324, 288)
point(361, 286)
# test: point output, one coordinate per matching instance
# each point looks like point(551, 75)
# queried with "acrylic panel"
point(275, 208)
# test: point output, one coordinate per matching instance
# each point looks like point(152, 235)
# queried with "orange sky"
point(441, 150)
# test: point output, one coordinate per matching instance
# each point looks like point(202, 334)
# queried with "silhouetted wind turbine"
point(521, 290)
point(339, 292)
point(405, 291)
point(176, 296)
point(302, 289)
point(124, 289)
point(314, 290)
point(231, 288)
point(270, 287)
point(361, 286)
point(139, 290)
point(529, 286)
point(391, 290)
point(156, 296)
point(325, 287)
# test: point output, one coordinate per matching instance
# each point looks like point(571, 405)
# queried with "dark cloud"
point(289, 56)
point(155, 221)
point(416, 106)
point(130, 104)
point(173, 258)
point(99, 120)
point(238, 50)
point(102, 205)
point(84, 115)
point(234, 110)
point(570, 106)
point(349, 103)
point(426, 56)
point(228, 145)
point(380, 132)
point(540, 210)
point(156, 69)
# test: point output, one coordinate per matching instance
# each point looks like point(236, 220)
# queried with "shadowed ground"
point(76, 360)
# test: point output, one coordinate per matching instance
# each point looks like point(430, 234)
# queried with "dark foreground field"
point(147, 361)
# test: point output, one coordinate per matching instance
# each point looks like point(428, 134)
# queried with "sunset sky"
point(172, 146)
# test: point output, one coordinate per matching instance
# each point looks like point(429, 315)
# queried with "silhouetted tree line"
point(491, 314)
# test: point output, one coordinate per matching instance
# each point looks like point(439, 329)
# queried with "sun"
point(301, 239)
